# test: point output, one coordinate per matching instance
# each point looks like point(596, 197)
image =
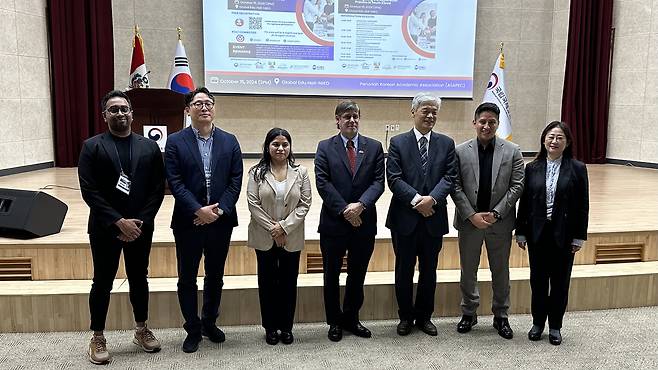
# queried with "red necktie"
point(351, 155)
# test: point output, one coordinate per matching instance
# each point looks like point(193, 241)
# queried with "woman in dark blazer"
point(552, 222)
point(279, 196)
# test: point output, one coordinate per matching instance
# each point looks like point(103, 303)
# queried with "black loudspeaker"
point(29, 214)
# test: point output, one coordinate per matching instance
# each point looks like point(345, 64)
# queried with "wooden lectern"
point(157, 108)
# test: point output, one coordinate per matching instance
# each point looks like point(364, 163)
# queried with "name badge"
point(123, 185)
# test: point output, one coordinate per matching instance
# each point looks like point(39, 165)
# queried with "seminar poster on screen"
point(340, 47)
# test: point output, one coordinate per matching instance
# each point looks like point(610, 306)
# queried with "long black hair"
point(264, 165)
point(568, 150)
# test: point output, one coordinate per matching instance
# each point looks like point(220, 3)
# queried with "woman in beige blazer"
point(279, 196)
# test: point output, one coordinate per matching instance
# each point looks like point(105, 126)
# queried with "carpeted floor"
point(612, 339)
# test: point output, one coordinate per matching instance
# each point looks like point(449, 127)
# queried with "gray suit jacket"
point(506, 182)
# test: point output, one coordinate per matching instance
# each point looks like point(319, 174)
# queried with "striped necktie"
point(423, 153)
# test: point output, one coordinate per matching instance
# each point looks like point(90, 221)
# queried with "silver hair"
point(425, 97)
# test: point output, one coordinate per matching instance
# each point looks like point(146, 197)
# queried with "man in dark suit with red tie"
point(349, 174)
point(421, 172)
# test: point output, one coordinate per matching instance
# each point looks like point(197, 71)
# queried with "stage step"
point(62, 305)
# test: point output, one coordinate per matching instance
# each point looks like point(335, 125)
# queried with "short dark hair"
point(347, 106)
point(114, 94)
point(487, 107)
point(199, 90)
point(568, 151)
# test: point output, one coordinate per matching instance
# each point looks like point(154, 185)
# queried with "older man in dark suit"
point(204, 170)
point(420, 172)
point(122, 180)
point(349, 173)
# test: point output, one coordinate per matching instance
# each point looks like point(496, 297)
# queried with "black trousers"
point(550, 274)
point(424, 247)
point(212, 242)
point(359, 248)
point(105, 253)
point(277, 287)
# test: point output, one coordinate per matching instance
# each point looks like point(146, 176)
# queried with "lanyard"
point(130, 153)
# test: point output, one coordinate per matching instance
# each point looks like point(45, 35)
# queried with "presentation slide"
point(392, 48)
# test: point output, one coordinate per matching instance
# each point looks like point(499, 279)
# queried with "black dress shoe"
point(213, 333)
point(535, 333)
point(271, 337)
point(191, 343)
point(286, 337)
point(358, 330)
point(335, 333)
point(502, 325)
point(404, 327)
point(466, 323)
point(427, 327)
point(555, 340)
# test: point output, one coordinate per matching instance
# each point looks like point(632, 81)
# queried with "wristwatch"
point(496, 215)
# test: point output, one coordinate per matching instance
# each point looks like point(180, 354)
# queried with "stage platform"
point(618, 267)
point(62, 305)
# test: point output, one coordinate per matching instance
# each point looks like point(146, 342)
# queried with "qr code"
point(255, 23)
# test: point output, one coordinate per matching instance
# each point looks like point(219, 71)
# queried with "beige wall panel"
point(11, 154)
point(536, 25)
point(7, 4)
point(8, 39)
point(34, 7)
point(624, 149)
point(629, 122)
point(560, 25)
point(631, 17)
point(34, 78)
point(628, 87)
point(10, 126)
point(9, 82)
point(34, 119)
point(123, 16)
point(649, 150)
point(32, 35)
point(534, 57)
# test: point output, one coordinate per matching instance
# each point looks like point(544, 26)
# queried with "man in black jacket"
point(122, 181)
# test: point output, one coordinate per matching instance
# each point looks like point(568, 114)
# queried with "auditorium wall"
point(534, 33)
point(632, 128)
point(26, 134)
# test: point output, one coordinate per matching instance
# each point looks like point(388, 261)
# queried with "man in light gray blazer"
point(489, 182)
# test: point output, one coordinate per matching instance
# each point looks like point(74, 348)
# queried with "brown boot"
point(145, 340)
point(98, 350)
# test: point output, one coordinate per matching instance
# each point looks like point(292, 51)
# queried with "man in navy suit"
point(204, 170)
point(349, 174)
point(420, 171)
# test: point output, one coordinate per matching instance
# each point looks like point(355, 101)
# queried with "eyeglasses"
point(201, 104)
point(115, 109)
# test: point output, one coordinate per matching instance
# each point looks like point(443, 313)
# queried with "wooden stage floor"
point(622, 199)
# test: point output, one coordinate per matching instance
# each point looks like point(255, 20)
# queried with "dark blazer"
point(98, 172)
point(337, 187)
point(405, 178)
point(187, 180)
point(570, 207)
